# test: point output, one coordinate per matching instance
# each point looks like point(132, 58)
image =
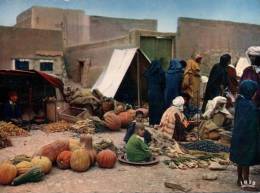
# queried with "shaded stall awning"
point(53, 81)
point(111, 78)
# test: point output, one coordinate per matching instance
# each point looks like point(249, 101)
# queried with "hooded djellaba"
point(245, 142)
point(253, 71)
point(218, 80)
point(173, 77)
point(191, 79)
point(156, 83)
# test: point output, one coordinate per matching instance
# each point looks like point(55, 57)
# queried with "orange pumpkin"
point(7, 173)
point(125, 118)
point(132, 113)
point(106, 159)
point(53, 149)
point(80, 160)
point(112, 121)
point(63, 160)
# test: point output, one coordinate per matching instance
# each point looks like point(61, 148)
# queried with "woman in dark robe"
point(173, 78)
point(218, 80)
point(156, 83)
point(244, 148)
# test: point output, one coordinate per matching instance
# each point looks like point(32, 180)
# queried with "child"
point(136, 149)
point(131, 128)
point(245, 136)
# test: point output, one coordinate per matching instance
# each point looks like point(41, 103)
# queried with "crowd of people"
point(174, 101)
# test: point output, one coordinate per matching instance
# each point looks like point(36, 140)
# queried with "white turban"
point(178, 102)
point(212, 104)
point(253, 51)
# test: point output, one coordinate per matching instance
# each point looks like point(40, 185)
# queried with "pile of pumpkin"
point(120, 117)
point(65, 154)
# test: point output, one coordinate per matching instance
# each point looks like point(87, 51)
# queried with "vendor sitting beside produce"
point(12, 111)
point(136, 149)
point(131, 128)
point(174, 122)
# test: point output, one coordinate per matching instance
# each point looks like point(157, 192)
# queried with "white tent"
point(111, 78)
point(241, 65)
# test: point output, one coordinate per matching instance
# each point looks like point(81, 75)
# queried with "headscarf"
point(178, 102)
point(155, 67)
point(175, 66)
point(211, 107)
point(253, 51)
point(247, 89)
point(225, 60)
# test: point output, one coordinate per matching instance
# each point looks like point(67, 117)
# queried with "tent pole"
point(138, 79)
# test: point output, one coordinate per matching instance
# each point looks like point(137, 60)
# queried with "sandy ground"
point(122, 178)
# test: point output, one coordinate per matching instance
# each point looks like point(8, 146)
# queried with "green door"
point(157, 48)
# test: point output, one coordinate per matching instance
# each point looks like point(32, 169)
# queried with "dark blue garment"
point(245, 143)
point(189, 111)
point(156, 83)
point(131, 130)
point(173, 80)
point(11, 111)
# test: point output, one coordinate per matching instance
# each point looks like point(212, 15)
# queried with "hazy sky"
point(165, 11)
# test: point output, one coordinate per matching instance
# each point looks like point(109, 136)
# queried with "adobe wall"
point(102, 28)
point(24, 43)
point(73, 23)
point(96, 57)
point(213, 38)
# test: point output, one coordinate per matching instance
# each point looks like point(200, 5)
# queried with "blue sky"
point(165, 11)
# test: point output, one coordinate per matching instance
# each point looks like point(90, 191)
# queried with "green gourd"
point(33, 175)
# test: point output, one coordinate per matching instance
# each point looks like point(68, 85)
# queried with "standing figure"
point(156, 83)
point(244, 149)
point(253, 72)
point(218, 80)
point(191, 80)
point(12, 111)
point(173, 77)
point(232, 85)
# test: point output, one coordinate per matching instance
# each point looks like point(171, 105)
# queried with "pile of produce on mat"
point(74, 154)
point(10, 129)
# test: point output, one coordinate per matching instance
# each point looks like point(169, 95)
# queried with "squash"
point(42, 162)
point(119, 108)
point(23, 167)
point(112, 121)
point(35, 174)
point(19, 158)
point(80, 160)
point(74, 144)
point(125, 118)
point(63, 160)
point(53, 149)
point(7, 173)
point(132, 112)
point(88, 143)
point(106, 159)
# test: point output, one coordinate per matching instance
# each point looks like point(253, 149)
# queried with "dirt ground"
point(122, 178)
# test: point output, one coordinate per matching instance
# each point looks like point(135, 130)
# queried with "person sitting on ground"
point(174, 122)
point(12, 111)
point(244, 150)
point(188, 109)
point(131, 128)
point(136, 149)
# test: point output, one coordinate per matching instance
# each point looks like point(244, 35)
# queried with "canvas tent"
point(242, 63)
point(123, 76)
